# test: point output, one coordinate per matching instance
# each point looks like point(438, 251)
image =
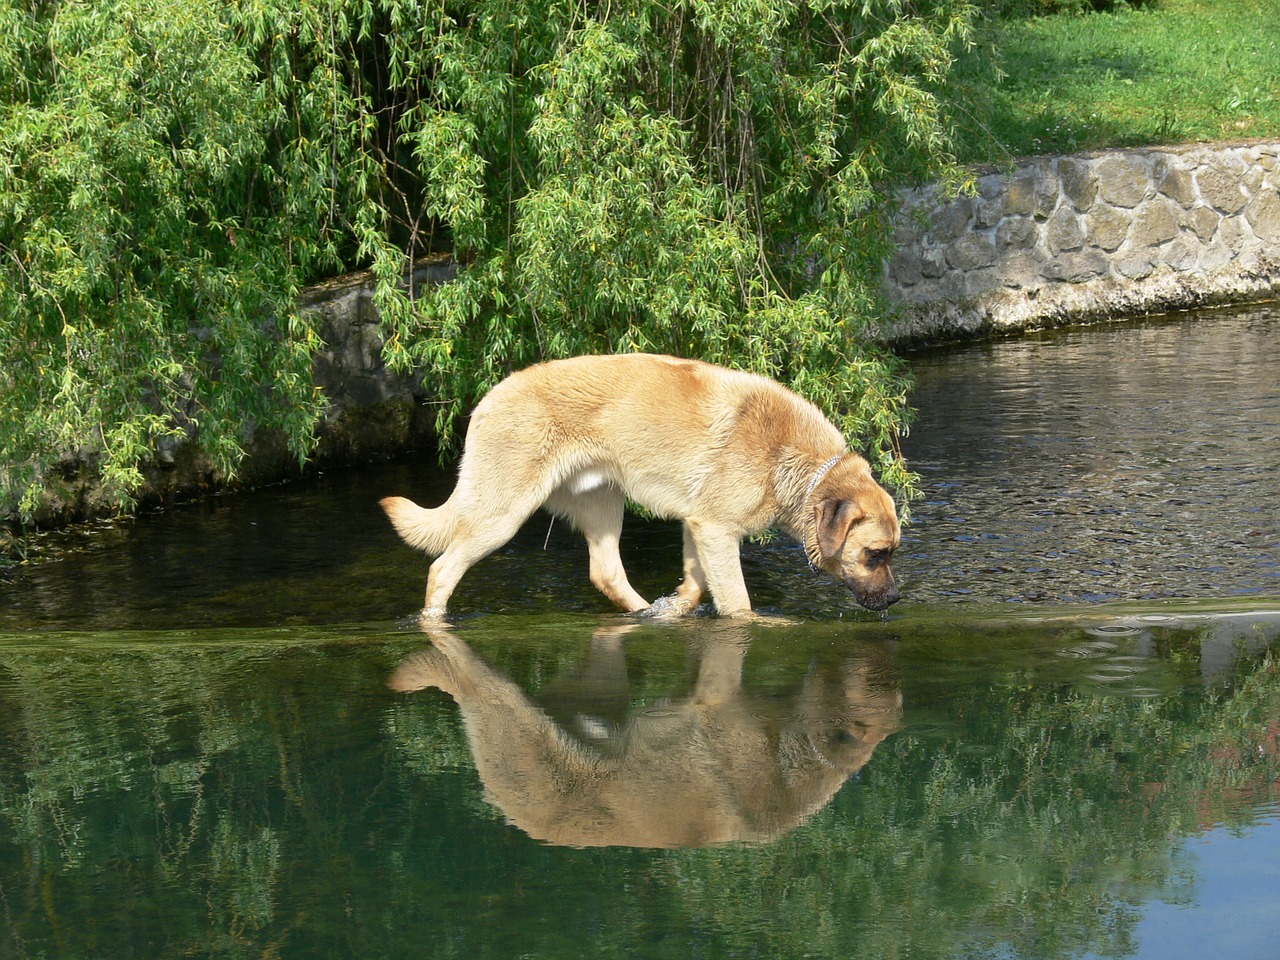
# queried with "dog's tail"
point(429, 530)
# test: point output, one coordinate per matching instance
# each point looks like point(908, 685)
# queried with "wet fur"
point(728, 453)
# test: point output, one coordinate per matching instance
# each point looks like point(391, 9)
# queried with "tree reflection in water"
point(228, 793)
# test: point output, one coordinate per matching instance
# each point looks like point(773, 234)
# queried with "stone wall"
point(372, 410)
point(1089, 237)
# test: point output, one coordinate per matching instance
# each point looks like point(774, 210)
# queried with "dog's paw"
point(432, 617)
point(667, 608)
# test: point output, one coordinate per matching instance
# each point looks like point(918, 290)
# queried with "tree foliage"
point(707, 178)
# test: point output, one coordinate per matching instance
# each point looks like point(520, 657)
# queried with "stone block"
point(1155, 223)
point(904, 268)
point(991, 186)
point(364, 348)
point(1106, 227)
point(1017, 233)
point(350, 358)
point(950, 220)
point(365, 391)
point(1253, 179)
point(1177, 184)
point(1063, 232)
point(905, 230)
point(334, 325)
point(1020, 198)
point(1204, 221)
point(971, 252)
point(988, 213)
point(1079, 182)
point(1220, 188)
point(1046, 199)
point(1019, 271)
point(1135, 267)
point(1213, 257)
point(1180, 253)
point(1034, 192)
point(933, 264)
point(1263, 214)
point(1124, 180)
point(977, 282)
point(1076, 267)
point(1235, 235)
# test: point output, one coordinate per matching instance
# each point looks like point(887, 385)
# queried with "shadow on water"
point(219, 736)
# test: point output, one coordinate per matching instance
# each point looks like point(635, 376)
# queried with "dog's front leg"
point(689, 594)
point(717, 550)
point(694, 584)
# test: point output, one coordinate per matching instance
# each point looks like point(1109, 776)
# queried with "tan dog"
point(716, 764)
point(728, 453)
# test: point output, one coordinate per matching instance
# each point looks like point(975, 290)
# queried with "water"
point(223, 737)
point(1138, 462)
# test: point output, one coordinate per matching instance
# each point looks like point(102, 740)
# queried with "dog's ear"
point(834, 520)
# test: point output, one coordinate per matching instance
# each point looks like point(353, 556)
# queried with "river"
point(222, 735)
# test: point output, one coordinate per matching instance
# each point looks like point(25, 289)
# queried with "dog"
point(728, 453)
point(583, 765)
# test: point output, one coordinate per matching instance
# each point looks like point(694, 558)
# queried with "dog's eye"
point(876, 557)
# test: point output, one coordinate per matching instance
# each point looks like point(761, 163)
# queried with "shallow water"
point(1135, 462)
point(221, 736)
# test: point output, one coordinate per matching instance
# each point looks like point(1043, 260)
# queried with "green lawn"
point(1175, 71)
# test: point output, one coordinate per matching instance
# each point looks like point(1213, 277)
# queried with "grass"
point(1174, 71)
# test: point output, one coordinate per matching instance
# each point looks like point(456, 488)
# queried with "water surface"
point(221, 735)
point(1131, 462)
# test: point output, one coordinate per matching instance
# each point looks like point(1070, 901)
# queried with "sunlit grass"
point(1175, 71)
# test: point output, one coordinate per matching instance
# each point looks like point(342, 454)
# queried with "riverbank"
point(1061, 240)
point(1088, 238)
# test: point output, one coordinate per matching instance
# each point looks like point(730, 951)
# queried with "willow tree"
point(704, 178)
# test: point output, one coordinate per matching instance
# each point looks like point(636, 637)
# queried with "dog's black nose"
point(877, 600)
point(882, 602)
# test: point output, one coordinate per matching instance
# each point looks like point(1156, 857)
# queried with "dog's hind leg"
point(472, 542)
point(480, 526)
point(597, 515)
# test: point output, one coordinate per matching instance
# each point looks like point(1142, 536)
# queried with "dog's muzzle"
point(880, 598)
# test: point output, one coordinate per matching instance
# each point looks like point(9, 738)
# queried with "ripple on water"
point(1130, 463)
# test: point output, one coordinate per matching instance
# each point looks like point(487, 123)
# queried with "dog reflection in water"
point(586, 768)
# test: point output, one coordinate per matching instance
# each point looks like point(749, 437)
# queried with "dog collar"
point(820, 473)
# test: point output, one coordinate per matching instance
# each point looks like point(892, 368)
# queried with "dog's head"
point(855, 531)
point(862, 692)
